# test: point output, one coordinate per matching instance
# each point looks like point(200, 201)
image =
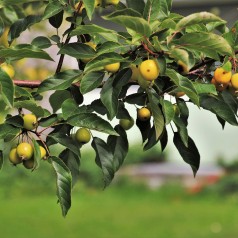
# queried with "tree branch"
point(27, 83)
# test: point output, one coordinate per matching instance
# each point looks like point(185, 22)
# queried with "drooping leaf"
point(63, 183)
point(104, 159)
point(92, 122)
point(189, 154)
point(168, 110)
point(89, 5)
point(57, 19)
point(37, 154)
point(53, 8)
point(182, 130)
point(111, 91)
point(119, 147)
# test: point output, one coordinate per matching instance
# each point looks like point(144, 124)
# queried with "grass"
point(120, 212)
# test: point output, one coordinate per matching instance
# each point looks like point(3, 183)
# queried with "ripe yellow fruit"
point(143, 114)
point(83, 135)
point(149, 69)
point(135, 72)
point(7, 68)
point(234, 81)
point(219, 87)
point(28, 164)
point(30, 121)
point(221, 76)
point(126, 124)
point(25, 151)
point(42, 152)
point(13, 156)
point(3, 38)
point(113, 68)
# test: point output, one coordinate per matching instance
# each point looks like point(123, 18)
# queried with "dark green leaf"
point(182, 130)
point(138, 5)
point(57, 19)
point(53, 8)
point(104, 159)
point(63, 182)
point(7, 131)
point(189, 154)
point(119, 147)
point(16, 121)
point(37, 154)
point(57, 98)
point(41, 42)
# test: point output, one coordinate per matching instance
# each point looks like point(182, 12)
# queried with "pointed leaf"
point(63, 182)
point(119, 147)
point(104, 159)
point(37, 154)
point(182, 130)
point(189, 154)
point(52, 9)
point(89, 5)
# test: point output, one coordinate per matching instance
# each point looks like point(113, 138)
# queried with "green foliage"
point(186, 50)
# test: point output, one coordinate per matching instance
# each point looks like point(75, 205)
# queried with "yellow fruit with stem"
point(25, 151)
point(112, 68)
point(143, 114)
point(29, 121)
point(149, 69)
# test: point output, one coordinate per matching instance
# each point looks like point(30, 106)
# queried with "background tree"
point(173, 60)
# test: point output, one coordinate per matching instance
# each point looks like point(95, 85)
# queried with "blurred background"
point(154, 195)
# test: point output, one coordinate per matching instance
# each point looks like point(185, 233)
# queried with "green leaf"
point(158, 117)
point(182, 130)
point(57, 19)
point(16, 121)
point(168, 110)
point(109, 46)
point(205, 88)
point(92, 122)
point(7, 89)
point(21, 25)
point(63, 182)
point(57, 98)
point(119, 147)
point(197, 18)
point(7, 131)
point(208, 43)
point(189, 154)
point(102, 60)
point(90, 29)
point(59, 82)
point(37, 154)
point(230, 100)
point(91, 81)
point(66, 141)
point(130, 19)
point(22, 92)
point(89, 5)
point(73, 163)
point(184, 85)
point(52, 8)
point(78, 50)
point(24, 51)
point(41, 42)
point(104, 159)
point(219, 107)
point(157, 9)
point(111, 91)
point(138, 5)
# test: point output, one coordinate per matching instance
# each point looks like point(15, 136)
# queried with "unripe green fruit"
point(126, 124)
point(83, 135)
point(13, 157)
point(28, 164)
point(25, 151)
point(29, 121)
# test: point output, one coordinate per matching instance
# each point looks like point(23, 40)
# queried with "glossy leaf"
point(63, 183)
point(57, 19)
point(92, 122)
point(119, 146)
point(111, 91)
point(182, 130)
point(53, 8)
point(189, 154)
point(89, 5)
point(104, 159)
point(41, 42)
